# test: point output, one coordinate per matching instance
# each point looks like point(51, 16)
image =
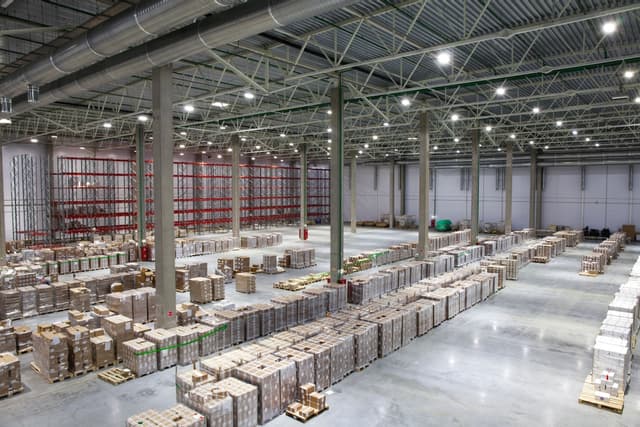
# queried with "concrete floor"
point(519, 358)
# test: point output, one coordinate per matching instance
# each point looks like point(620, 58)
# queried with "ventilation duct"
point(238, 23)
point(146, 20)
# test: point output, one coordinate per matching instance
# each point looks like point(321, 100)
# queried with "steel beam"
point(423, 196)
point(337, 181)
point(140, 196)
point(163, 197)
point(508, 189)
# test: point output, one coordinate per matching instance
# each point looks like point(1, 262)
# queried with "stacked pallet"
point(79, 299)
point(246, 283)
point(166, 350)
point(103, 350)
point(44, 298)
point(140, 356)
point(187, 381)
point(321, 353)
point(300, 258)
point(28, 301)
point(179, 415)
point(182, 279)
point(79, 349)
point(50, 354)
point(60, 295)
point(201, 290)
point(242, 264)
point(10, 306)
point(236, 323)
point(120, 328)
point(24, 342)
point(245, 401)
point(270, 264)
point(187, 342)
point(215, 405)
point(10, 379)
point(217, 284)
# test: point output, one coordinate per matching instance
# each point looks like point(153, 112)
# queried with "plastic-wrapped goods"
point(304, 366)
point(79, 299)
point(44, 298)
point(245, 401)
point(188, 344)
point(200, 290)
point(219, 367)
point(216, 406)
point(140, 356)
point(7, 337)
point(273, 343)
point(251, 321)
point(236, 324)
point(165, 345)
point(265, 314)
point(23, 338)
point(60, 295)
point(220, 331)
point(246, 283)
point(365, 336)
point(322, 361)
point(342, 351)
point(188, 380)
point(10, 307)
point(217, 285)
point(182, 416)
point(120, 303)
point(28, 301)
point(266, 377)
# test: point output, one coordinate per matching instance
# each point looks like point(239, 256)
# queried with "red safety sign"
point(169, 313)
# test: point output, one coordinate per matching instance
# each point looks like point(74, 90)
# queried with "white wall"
point(606, 201)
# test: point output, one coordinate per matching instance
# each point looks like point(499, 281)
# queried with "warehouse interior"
point(386, 212)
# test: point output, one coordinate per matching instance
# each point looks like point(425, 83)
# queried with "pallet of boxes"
point(312, 403)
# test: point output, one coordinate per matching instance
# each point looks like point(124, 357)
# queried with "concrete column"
point(140, 196)
point(352, 172)
point(336, 232)
point(198, 191)
point(475, 184)
point(392, 194)
point(163, 197)
point(508, 189)
point(532, 189)
point(423, 197)
point(235, 189)
point(304, 173)
point(539, 173)
point(402, 172)
point(3, 243)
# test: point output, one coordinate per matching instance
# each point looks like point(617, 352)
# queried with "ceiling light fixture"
point(405, 102)
point(435, 148)
point(181, 145)
point(546, 147)
point(34, 140)
point(219, 156)
point(559, 123)
point(456, 139)
point(455, 117)
point(182, 154)
point(249, 95)
point(257, 147)
point(444, 58)
point(366, 145)
point(222, 127)
point(597, 145)
point(107, 125)
point(209, 143)
point(189, 108)
point(143, 118)
point(385, 124)
point(229, 149)
point(535, 110)
point(531, 142)
point(587, 139)
point(219, 104)
point(629, 74)
point(609, 27)
point(488, 128)
point(512, 136)
point(501, 91)
point(574, 132)
point(5, 121)
point(374, 137)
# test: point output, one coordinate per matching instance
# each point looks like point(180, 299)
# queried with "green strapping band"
point(171, 347)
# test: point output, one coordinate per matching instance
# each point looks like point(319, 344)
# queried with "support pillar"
point(539, 173)
point(140, 196)
point(3, 245)
point(235, 189)
point(392, 194)
point(304, 173)
point(163, 196)
point(352, 172)
point(532, 189)
point(508, 189)
point(336, 232)
point(403, 194)
point(423, 196)
point(475, 184)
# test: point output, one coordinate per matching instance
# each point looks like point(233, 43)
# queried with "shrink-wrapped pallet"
point(10, 307)
point(140, 356)
point(219, 367)
point(217, 407)
point(245, 401)
point(322, 361)
point(188, 380)
point(217, 286)
point(188, 344)
point(120, 328)
point(265, 313)
point(266, 378)
point(236, 324)
point(28, 301)
point(182, 416)
point(365, 336)
point(138, 305)
point(103, 351)
point(305, 364)
point(120, 303)
point(166, 349)
point(45, 299)
point(23, 338)
point(60, 295)
point(79, 348)
point(79, 299)
point(10, 379)
point(200, 290)
point(51, 355)
point(251, 321)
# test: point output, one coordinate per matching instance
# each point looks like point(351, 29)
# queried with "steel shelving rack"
point(98, 195)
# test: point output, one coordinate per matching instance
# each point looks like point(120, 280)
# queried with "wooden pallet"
point(589, 273)
point(540, 259)
point(302, 418)
point(12, 392)
point(35, 368)
point(588, 397)
point(105, 365)
point(116, 376)
point(25, 350)
point(84, 371)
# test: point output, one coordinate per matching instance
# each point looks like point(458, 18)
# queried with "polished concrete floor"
point(519, 358)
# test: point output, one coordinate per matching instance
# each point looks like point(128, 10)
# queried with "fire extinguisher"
point(303, 233)
point(144, 253)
